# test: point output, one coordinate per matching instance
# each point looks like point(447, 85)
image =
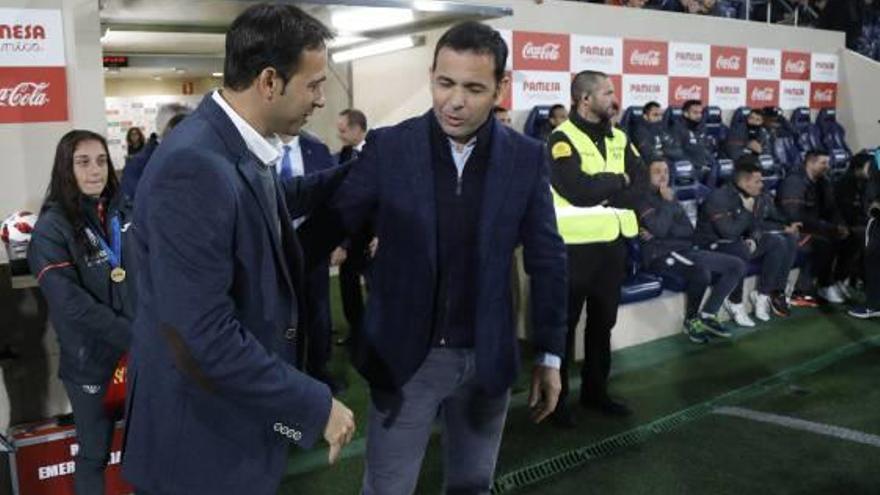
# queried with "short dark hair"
point(814, 155)
point(471, 36)
point(269, 35)
point(690, 103)
point(556, 107)
point(355, 118)
point(650, 105)
point(746, 165)
point(860, 159)
point(585, 84)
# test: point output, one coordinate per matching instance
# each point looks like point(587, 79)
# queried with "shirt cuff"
point(549, 360)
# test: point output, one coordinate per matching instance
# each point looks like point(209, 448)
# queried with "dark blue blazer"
point(215, 397)
point(392, 183)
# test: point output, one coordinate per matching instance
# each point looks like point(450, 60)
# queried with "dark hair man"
point(739, 219)
point(216, 396)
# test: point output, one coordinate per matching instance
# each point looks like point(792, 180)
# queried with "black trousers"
point(851, 260)
point(777, 253)
point(872, 265)
point(596, 272)
point(319, 326)
point(94, 432)
point(819, 268)
point(350, 272)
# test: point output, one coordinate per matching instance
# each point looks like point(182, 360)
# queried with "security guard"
point(597, 175)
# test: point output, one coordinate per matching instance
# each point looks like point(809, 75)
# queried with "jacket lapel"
point(419, 149)
point(498, 177)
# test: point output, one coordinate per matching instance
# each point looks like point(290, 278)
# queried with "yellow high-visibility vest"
point(596, 223)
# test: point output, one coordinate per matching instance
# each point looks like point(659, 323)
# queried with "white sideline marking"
point(803, 425)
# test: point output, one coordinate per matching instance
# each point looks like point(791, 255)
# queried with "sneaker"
point(696, 331)
point(864, 312)
point(713, 326)
point(738, 314)
point(761, 303)
point(801, 300)
point(844, 288)
point(831, 294)
point(779, 305)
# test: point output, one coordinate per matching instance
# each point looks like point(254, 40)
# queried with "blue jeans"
point(444, 388)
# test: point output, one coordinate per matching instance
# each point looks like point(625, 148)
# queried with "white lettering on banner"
point(728, 63)
point(688, 93)
point(644, 88)
point(25, 94)
point(600, 51)
point(55, 470)
point(762, 94)
point(547, 51)
point(650, 58)
point(22, 32)
point(769, 61)
point(796, 67)
point(824, 95)
point(541, 86)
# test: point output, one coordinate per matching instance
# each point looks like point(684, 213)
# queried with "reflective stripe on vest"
point(597, 223)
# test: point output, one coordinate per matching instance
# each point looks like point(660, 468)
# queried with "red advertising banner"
point(823, 95)
point(541, 51)
point(796, 66)
point(33, 94)
point(645, 57)
point(761, 94)
point(682, 89)
point(728, 61)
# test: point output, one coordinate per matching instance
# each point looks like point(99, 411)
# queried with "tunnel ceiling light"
point(360, 19)
point(377, 48)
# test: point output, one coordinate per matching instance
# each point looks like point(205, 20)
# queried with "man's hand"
point(752, 245)
point(755, 146)
point(373, 247)
point(645, 235)
point(842, 231)
point(793, 228)
point(339, 429)
point(338, 256)
point(667, 193)
point(544, 395)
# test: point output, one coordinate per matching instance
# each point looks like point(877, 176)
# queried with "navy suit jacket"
point(392, 183)
point(214, 394)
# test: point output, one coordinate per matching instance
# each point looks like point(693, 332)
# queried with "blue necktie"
point(286, 167)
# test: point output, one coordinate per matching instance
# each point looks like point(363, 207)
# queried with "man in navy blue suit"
point(451, 193)
point(215, 396)
point(302, 155)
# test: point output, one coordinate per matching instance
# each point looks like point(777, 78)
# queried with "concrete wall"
point(857, 101)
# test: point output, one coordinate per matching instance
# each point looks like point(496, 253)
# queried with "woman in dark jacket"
point(76, 254)
point(134, 141)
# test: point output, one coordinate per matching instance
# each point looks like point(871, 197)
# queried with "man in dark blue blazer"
point(215, 396)
point(451, 193)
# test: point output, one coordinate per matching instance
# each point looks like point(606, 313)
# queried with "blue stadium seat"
point(670, 116)
point(639, 285)
point(715, 128)
point(537, 123)
point(630, 119)
point(740, 115)
point(833, 139)
point(809, 138)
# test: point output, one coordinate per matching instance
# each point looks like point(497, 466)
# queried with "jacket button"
point(297, 435)
point(290, 334)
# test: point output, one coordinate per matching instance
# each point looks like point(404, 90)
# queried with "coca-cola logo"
point(693, 92)
point(796, 66)
point(763, 94)
point(768, 61)
point(547, 51)
point(824, 95)
point(25, 94)
point(597, 51)
point(650, 58)
point(728, 63)
point(22, 32)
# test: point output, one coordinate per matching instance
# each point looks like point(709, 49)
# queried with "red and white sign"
point(617, 82)
point(540, 51)
point(794, 94)
point(506, 100)
point(764, 64)
point(823, 95)
point(796, 66)
point(824, 68)
point(682, 89)
point(645, 57)
point(761, 94)
point(638, 90)
point(31, 38)
point(597, 53)
point(689, 59)
point(728, 61)
point(728, 93)
point(532, 88)
point(33, 94)
point(507, 36)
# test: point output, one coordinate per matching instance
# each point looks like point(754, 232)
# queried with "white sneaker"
point(845, 289)
point(738, 314)
point(761, 303)
point(831, 294)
